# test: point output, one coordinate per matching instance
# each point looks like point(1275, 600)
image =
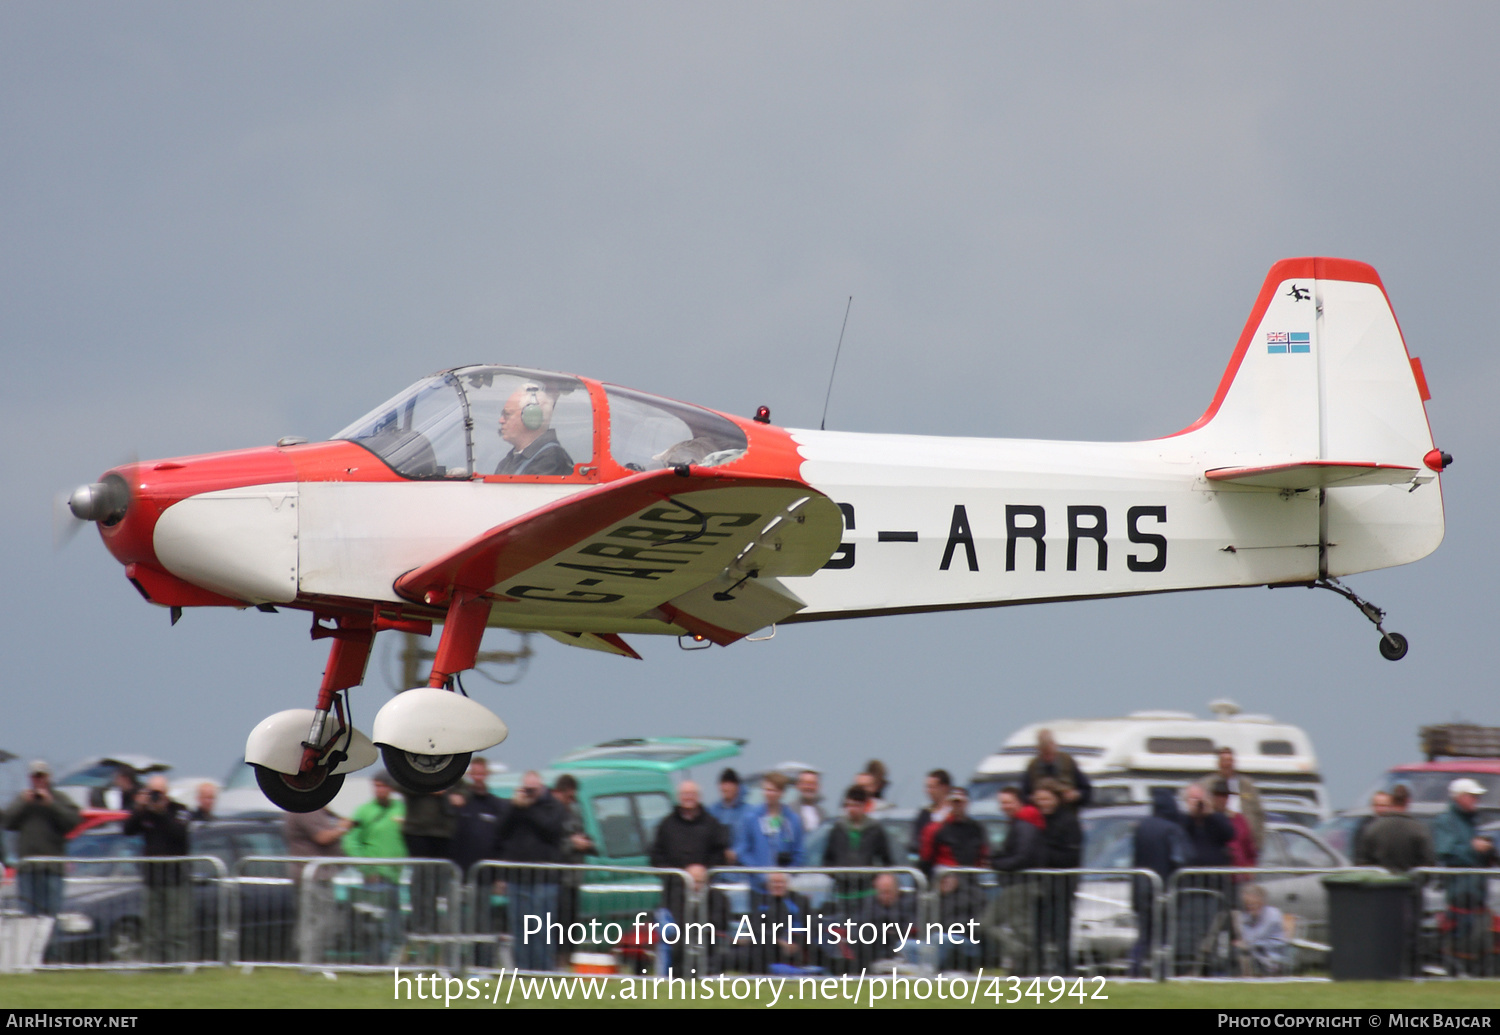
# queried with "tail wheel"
point(1393, 646)
point(300, 792)
point(423, 774)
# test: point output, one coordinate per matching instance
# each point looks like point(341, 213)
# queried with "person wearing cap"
point(41, 818)
point(1244, 796)
point(1459, 845)
point(1242, 849)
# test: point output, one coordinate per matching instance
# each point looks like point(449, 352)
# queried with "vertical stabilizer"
point(1321, 388)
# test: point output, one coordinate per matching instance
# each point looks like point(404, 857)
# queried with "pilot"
point(525, 423)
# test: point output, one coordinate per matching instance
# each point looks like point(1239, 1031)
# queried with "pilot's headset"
point(532, 414)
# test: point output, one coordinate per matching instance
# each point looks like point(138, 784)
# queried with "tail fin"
point(1321, 394)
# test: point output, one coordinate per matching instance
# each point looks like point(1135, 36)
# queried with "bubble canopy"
point(485, 421)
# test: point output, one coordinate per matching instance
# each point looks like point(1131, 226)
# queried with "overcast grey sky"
point(224, 223)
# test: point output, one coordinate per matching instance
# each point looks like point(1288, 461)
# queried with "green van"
point(626, 787)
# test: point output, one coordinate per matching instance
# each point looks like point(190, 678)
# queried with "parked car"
point(103, 913)
point(1104, 924)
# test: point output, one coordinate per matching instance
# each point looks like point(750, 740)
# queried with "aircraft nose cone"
point(104, 501)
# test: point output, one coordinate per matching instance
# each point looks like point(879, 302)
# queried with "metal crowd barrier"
point(1453, 923)
point(1211, 932)
point(354, 914)
point(815, 920)
point(1044, 923)
point(128, 912)
point(371, 914)
point(545, 917)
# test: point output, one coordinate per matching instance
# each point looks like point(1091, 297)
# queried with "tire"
point(423, 774)
point(1393, 646)
point(298, 793)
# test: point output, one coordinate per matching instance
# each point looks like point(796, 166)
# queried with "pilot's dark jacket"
point(544, 456)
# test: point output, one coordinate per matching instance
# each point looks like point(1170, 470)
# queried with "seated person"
point(1262, 934)
point(525, 423)
point(778, 931)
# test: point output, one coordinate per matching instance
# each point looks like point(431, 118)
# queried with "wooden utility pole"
point(416, 661)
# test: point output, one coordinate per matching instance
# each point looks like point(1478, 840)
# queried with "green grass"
point(263, 989)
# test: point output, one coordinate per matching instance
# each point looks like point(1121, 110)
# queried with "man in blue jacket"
point(770, 836)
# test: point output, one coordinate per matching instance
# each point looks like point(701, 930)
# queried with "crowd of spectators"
point(1020, 918)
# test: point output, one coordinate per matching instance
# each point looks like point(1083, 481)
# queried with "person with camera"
point(41, 819)
point(1203, 898)
point(164, 825)
point(532, 832)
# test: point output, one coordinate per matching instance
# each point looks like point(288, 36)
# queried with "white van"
point(1126, 758)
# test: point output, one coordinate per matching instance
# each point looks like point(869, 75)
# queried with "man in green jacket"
point(376, 834)
point(41, 818)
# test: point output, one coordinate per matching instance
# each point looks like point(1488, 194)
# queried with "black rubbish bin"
point(1371, 917)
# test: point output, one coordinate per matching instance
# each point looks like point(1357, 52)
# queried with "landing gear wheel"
point(1393, 646)
point(305, 792)
point(423, 774)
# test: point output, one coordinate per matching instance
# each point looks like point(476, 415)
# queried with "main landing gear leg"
point(307, 777)
point(1392, 644)
point(427, 735)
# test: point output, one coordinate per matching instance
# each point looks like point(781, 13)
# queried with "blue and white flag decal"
point(1288, 341)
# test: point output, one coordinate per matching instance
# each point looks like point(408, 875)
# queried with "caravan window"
point(1180, 746)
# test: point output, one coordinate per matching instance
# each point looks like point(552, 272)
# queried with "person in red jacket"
point(956, 841)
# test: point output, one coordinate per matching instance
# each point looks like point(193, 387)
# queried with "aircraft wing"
point(1314, 474)
point(703, 552)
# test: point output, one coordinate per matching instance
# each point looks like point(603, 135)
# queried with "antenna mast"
point(823, 424)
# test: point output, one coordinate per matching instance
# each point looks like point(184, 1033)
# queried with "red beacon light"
point(1438, 460)
point(763, 415)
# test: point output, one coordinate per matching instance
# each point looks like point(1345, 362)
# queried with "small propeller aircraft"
point(500, 496)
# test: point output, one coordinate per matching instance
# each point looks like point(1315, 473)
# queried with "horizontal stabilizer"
point(1314, 474)
point(610, 643)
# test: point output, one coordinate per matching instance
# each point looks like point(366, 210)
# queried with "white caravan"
point(1126, 758)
